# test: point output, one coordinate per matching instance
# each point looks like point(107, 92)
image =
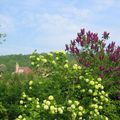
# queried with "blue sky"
point(47, 25)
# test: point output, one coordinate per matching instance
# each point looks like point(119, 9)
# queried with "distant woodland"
point(10, 61)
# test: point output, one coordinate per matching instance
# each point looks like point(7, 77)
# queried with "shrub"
point(3, 112)
point(92, 52)
point(74, 93)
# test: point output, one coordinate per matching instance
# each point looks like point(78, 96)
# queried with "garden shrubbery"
point(92, 52)
point(85, 89)
point(72, 93)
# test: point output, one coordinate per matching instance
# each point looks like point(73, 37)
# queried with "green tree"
point(2, 37)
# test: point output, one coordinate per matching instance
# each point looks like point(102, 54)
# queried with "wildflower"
point(80, 108)
point(76, 102)
point(83, 90)
point(20, 116)
point(99, 79)
point(69, 101)
point(101, 57)
point(87, 80)
point(95, 106)
point(100, 107)
point(24, 95)
point(62, 51)
point(75, 66)
point(25, 106)
point(50, 54)
point(106, 118)
point(56, 52)
point(52, 108)
point(32, 63)
point(37, 99)
point(73, 106)
point(47, 102)
point(80, 77)
point(38, 59)
point(95, 94)
point(69, 109)
point(53, 62)
point(57, 58)
point(60, 110)
point(29, 99)
point(37, 103)
point(80, 113)
point(103, 92)
point(66, 66)
point(67, 47)
point(38, 106)
point(44, 60)
point(51, 97)
point(21, 102)
point(90, 91)
point(30, 82)
point(46, 107)
point(102, 87)
point(30, 88)
point(82, 43)
point(82, 31)
point(102, 97)
point(44, 101)
point(106, 100)
point(106, 35)
point(94, 99)
point(53, 112)
point(96, 86)
point(92, 82)
point(74, 115)
point(66, 61)
point(38, 65)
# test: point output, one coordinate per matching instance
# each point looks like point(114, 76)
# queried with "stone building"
point(22, 70)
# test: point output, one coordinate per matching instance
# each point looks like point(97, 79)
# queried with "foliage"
point(11, 87)
point(74, 93)
point(2, 37)
point(2, 68)
point(82, 84)
point(10, 61)
point(3, 112)
point(92, 53)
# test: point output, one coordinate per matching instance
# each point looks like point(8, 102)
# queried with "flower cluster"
point(20, 117)
point(92, 52)
point(51, 106)
point(30, 84)
point(94, 49)
point(83, 95)
point(90, 40)
point(76, 110)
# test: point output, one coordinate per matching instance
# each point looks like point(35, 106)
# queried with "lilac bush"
point(92, 52)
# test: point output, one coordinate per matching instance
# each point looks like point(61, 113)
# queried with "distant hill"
point(10, 61)
point(23, 60)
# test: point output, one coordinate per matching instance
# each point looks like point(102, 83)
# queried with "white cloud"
point(54, 29)
point(75, 12)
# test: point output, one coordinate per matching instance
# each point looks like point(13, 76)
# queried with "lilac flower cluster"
point(91, 51)
point(88, 39)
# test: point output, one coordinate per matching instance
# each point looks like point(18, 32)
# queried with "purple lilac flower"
point(106, 35)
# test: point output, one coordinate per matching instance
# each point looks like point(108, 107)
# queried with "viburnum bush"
point(92, 52)
point(74, 92)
